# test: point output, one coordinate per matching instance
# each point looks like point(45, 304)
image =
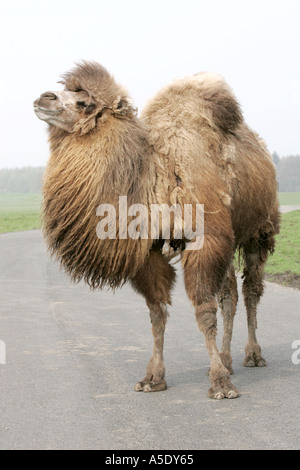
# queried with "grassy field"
point(289, 199)
point(20, 212)
point(287, 252)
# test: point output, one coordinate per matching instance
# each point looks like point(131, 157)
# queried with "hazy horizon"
point(253, 44)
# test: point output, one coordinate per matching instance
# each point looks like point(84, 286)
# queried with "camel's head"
point(90, 96)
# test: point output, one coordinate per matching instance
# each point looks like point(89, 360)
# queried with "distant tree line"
point(30, 179)
point(21, 180)
point(288, 172)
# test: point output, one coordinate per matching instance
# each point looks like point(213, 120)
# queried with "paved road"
point(73, 357)
point(285, 209)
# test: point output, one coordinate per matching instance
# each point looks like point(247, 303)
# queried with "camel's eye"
point(88, 108)
point(81, 104)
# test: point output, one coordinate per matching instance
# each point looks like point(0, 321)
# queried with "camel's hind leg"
point(255, 256)
point(155, 281)
point(204, 273)
point(228, 299)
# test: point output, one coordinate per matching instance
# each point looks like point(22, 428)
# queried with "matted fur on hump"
point(203, 98)
point(220, 100)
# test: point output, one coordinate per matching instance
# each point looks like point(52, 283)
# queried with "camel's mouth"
point(40, 110)
point(47, 106)
point(47, 115)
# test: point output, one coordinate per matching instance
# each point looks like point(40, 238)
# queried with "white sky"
point(254, 44)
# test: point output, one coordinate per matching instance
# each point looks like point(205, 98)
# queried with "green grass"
point(20, 212)
point(289, 199)
point(287, 250)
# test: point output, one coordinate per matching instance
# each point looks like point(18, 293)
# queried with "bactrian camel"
point(190, 145)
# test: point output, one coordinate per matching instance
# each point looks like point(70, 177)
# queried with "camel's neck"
point(112, 162)
point(82, 174)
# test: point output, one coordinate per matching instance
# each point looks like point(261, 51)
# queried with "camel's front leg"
point(204, 274)
point(154, 380)
point(154, 282)
point(228, 301)
point(206, 315)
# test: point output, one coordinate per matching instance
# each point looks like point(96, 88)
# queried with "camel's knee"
point(253, 287)
point(206, 316)
point(158, 315)
point(228, 297)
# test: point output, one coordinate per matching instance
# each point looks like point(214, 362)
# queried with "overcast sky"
point(254, 44)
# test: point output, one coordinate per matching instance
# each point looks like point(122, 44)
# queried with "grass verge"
point(20, 212)
point(284, 265)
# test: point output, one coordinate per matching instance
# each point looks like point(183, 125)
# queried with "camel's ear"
point(123, 107)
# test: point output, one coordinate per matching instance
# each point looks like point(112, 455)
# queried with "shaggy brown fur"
point(190, 146)
point(86, 170)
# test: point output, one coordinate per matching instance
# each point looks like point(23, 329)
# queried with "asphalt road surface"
point(285, 209)
point(72, 358)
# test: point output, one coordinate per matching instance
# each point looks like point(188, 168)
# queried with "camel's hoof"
point(150, 387)
point(223, 394)
point(261, 363)
point(139, 387)
point(253, 356)
point(223, 389)
point(254, 361)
